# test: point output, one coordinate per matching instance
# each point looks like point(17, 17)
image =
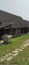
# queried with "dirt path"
point(9, 56)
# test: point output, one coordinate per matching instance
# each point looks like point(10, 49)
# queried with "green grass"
point(22, 58)
point(15, 43)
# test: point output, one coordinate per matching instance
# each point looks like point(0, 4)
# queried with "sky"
point(17, 7)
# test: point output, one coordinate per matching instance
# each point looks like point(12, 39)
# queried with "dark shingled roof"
point(8, 18)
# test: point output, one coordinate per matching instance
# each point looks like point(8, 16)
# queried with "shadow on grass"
point(6, 43)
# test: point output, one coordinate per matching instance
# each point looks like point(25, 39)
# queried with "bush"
point(7, 38)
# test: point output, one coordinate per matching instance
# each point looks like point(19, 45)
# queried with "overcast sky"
point(18, 7)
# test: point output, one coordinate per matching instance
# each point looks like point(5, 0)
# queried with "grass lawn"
point(15, 43)
point(22, 58)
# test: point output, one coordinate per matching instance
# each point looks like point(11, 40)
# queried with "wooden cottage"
point(12, 24)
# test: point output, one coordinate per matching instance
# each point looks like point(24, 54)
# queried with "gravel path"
point(9, 56)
